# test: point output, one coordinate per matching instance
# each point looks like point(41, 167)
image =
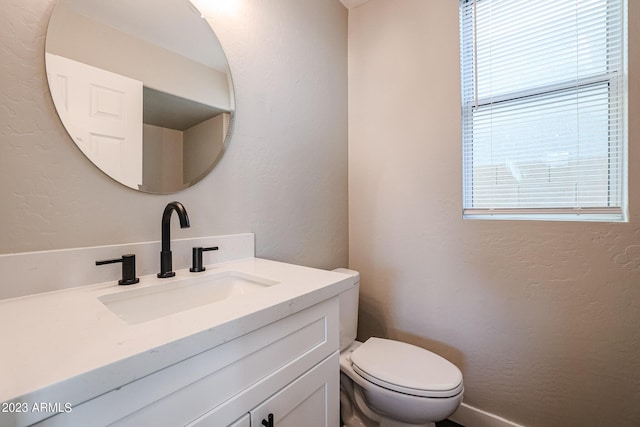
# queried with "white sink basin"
point(163, 299)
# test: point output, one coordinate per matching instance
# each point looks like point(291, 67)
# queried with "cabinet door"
point(312, 400)
point(242, 422)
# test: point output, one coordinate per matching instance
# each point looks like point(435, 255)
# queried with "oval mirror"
point(142, 87)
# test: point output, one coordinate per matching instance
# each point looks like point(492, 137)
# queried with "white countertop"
point(67, 347)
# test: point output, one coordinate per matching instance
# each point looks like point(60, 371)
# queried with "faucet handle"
point(197, 258)
point(128, 268)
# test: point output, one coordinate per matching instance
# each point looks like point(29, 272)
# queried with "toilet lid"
point(406, 368)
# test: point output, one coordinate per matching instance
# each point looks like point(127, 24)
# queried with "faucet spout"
point(166, 263)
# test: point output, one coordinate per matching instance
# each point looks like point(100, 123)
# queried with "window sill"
point(549, 214)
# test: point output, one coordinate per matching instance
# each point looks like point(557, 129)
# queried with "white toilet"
point(387, 383)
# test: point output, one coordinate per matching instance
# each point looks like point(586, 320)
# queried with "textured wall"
point(542, 317)
point(284, 176)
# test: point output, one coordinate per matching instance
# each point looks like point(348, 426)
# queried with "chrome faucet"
point(165, 256)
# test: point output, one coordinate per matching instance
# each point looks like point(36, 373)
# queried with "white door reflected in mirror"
point(103, 115)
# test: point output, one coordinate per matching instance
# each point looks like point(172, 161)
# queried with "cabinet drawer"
point(181, 393)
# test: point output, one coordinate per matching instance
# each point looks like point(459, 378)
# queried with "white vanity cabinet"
point(312, 400)
point(288, 368)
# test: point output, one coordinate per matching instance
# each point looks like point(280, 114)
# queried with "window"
point(543, 109)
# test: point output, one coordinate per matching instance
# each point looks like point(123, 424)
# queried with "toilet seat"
point(406, 368)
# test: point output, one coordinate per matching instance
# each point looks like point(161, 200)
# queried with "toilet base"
point(357, 422)
point(392, 423)
point(354, 412)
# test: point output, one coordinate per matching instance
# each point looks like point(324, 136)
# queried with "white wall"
point(284, 176)
point(542, 318)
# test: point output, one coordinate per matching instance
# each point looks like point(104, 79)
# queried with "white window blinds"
point(543, 108)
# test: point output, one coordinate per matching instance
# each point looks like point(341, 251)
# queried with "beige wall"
point(284, 176)
point(203, 144)
point(162, 159)
point(543, 318)
point(116, 51)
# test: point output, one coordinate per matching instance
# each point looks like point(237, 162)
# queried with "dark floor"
point(447, 423)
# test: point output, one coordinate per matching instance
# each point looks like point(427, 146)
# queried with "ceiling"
point(350, 4)
point(174, 26)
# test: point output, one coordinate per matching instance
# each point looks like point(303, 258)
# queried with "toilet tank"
point(349, 310)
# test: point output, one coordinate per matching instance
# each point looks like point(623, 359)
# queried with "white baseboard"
point(469, 416)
